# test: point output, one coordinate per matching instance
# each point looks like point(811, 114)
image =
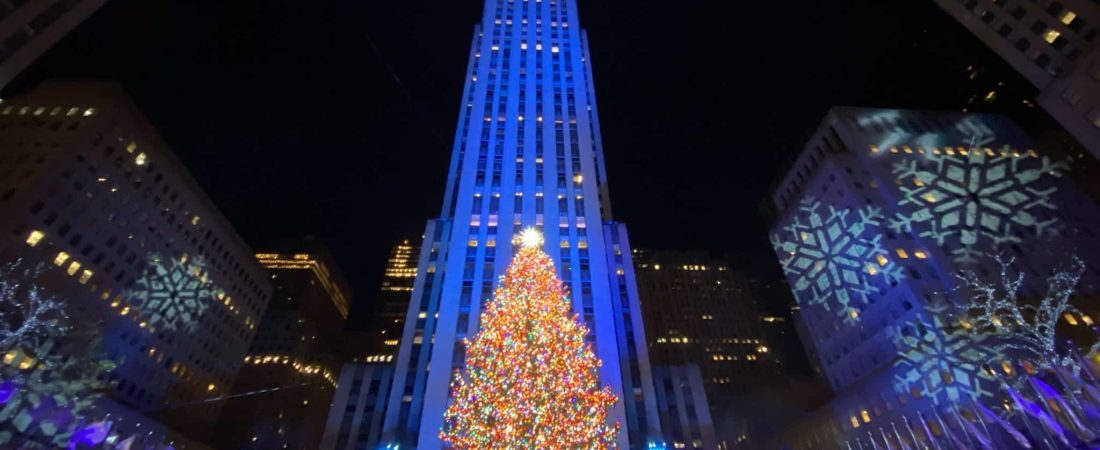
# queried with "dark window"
point(1004, 30)
point(988, 17)
point(1018, 13)
point(1043, 60)
point(1022, 44)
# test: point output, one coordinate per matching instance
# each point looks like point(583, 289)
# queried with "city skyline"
point(727, 170)
point(263, 225)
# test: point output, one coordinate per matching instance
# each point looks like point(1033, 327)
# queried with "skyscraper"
point(392, 302)
point(878, 214)
point(29, 28)
point(527, 153)
point(294, 348)
point(698, 311)
point(88, 188)
point(1053, 45)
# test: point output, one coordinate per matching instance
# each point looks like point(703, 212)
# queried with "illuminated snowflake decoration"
point(939, 362)
point(831, 256)
point(976, 200)
point(174, 295)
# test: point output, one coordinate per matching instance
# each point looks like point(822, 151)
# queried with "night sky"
point(294, 125)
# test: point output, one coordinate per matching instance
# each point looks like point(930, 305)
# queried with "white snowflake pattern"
point(940, 362)
point(173, 296)
point(974, 200)
point(831, 257)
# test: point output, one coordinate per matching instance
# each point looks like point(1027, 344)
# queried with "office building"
point(29, 28)
point(355, 419)
point(294, 351)
point(527, 154)
point(685, 414)
point(1052, 43)
point(392, 302)
point(698, 311)
point(877, 215)
point(88, 188)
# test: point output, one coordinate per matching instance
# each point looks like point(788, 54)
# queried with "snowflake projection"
point(973, 200)
point(48, 398)
point(832, 256)
point(940, 362)
point(174, 295)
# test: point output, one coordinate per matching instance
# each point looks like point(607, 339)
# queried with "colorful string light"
point(531, 380)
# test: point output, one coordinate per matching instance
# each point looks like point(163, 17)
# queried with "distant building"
point(698, 311)
point(355, 419)
point(1052, 44)
point(877, 215)
point(88, 188)
point(682, 401)
point(294, 352)
point(392, 303)
point(29, 28)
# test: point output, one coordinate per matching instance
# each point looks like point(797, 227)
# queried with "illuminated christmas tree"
point(531, 380)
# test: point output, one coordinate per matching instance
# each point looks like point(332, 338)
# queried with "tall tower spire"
point(527, 155)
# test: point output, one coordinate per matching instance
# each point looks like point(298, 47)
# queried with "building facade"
point(89, 189)
point(698, 311)
point(1053, 44)
point(29, 28)
point(682, 400)
point(527, 153)
point(294, 351)
point(877, 215)
point(392, 302)
point(355, 419)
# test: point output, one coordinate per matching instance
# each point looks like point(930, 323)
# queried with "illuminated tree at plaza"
point(1023, 327)
point(49, 377)
point(531, 380)
point(27, 313)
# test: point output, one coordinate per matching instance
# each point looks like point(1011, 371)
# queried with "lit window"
point(902, 254)
point(1086, 319)
point(75, 266)
point(39, 110)
point(855, 422)
point(1070, 319)
point(881, 259)
point(853, 313)
point(85, 276)
point(1051, 35)
point(930, 198)
point(140, 159)
point(1068, 16)
point(60, 259)
point(34, 237)
point(89, 112)
point(866, 416)
point(1007, 367)
point(131, 147)
point(871, 270)
point(920, 254)
point(211, 387)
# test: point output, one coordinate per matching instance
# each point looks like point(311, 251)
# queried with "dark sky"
point(294, 126)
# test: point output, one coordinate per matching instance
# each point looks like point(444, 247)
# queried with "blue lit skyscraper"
point(527, 153)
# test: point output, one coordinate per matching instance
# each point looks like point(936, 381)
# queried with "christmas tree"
point(531, 380)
